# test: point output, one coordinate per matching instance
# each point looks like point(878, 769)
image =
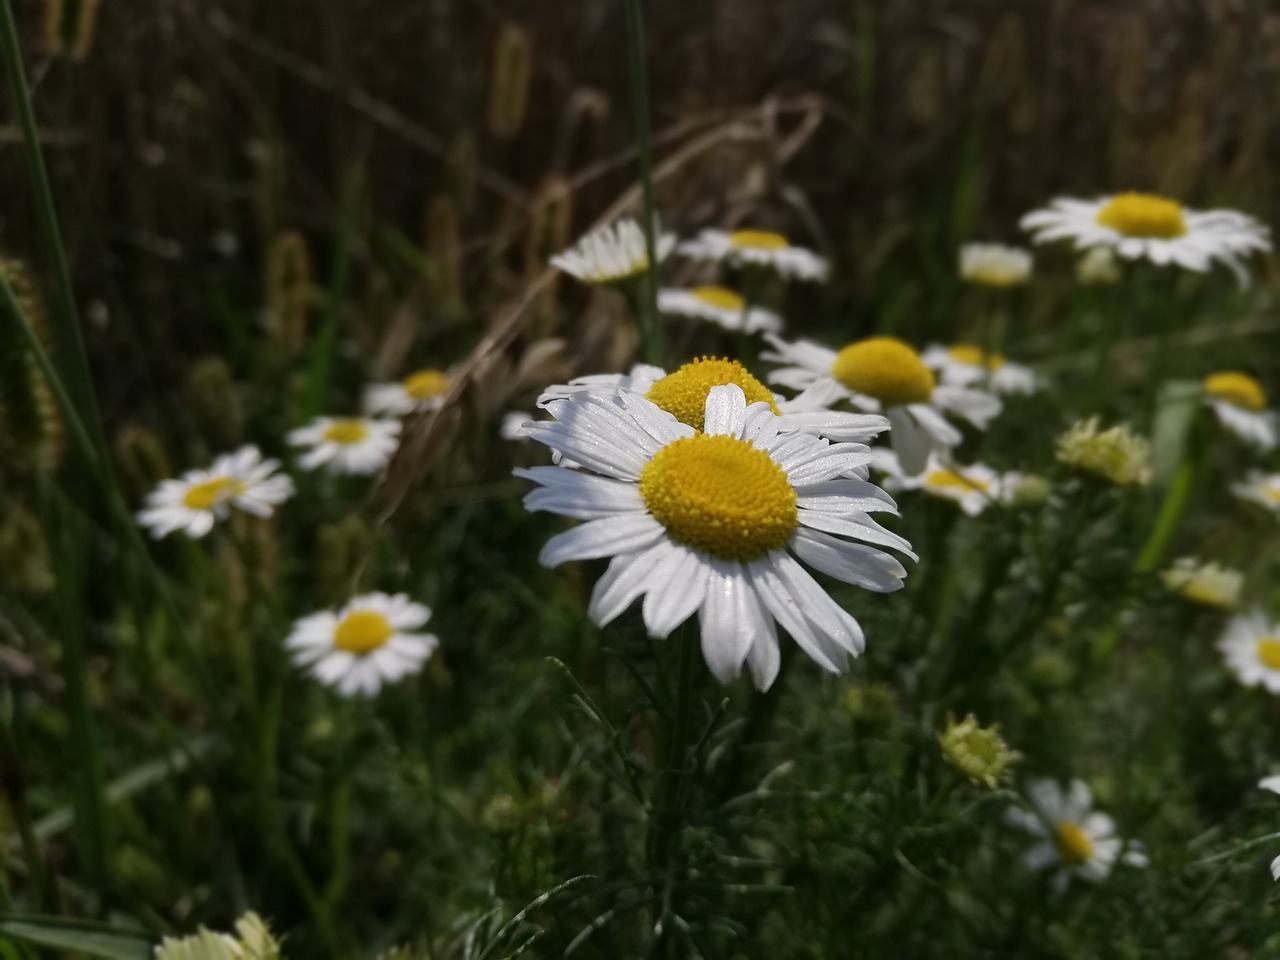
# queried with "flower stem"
point(650, 329)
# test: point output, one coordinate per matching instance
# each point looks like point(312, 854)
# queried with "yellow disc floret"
point(362, 632)
point(346, 432)
point(684, 393)
point(884, 368)
point(1073, 844)
point(426, 384)
point(207, 495)
point(720, 298)
point(1269, 652)
point(758, 240)
point(975, 356)
point(1238, 389)
point(952, 480)
point(1144, 216)
point(720, 496)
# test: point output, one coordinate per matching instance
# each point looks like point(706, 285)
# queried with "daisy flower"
point(994, 264)
point(1240, 404)
point(369, 642)
point(964, 365)
point(1261, 488)
point(757, 248)
point(1117, 455)
point(253, 941)
point(721, 306)
point(356, 445)
point(713, 522)
point(418, 392)
point(1207, 584)
point(972, 488)
point(612, 253)
point(1075, 838)
point(1251, 647)
point(1142, 226)
point(883, 374)
point(199, 498)
point(684, 395)
point(1272, 784)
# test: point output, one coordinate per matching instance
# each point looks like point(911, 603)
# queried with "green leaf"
point(94, 939)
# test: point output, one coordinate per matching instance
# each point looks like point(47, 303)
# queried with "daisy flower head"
point(684, 392)
point(883, 374)
point(372, 640)
point(972, 488)
point(1206, 584)
point(1272, 784)
point(420, 391)
point(721, 306)
point(1240, 404)
point(994, 265)
point(1251, 647)
point(1118, 455)
point(1143, 226)
point(760, 248)
point(1076, 839)
point(977, 752)
point(612, 253)
point(966, 364)
point(1261, 488)
point(253, 941)
point(351, 445)
point(716, 522)
point(200, 498)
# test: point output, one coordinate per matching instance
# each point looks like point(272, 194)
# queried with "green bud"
point(978, 753)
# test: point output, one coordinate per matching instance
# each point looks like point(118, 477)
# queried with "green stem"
point(14, 783)
point(1176, 499)
point(650, 323)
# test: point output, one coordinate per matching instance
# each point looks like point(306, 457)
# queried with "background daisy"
point(1207, 584)
point(995, 265)
point(721, 306)
point(420, 391)
point(1260, 488)
point(199, 498)
point(965, 364)
point(612, 253)
point(1240, 404)
point(757, 247)
point(972, 488)
point(1251, 647)
point(352, 445)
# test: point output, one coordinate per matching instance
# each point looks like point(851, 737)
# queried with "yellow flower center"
point(719, 298)
point(205, 496)
point(758, 240)
point(1239, 389)
point(951, 480)
point(1269, 652)
point(884, 368)
point(1073, 844)
point(1207, 593)
point(1144, 216)
point(1272, 493)
point(362, 632)
point(346, 432)
point(426, 384)
point(720, 496)
point(975, 356)
point(684, 393)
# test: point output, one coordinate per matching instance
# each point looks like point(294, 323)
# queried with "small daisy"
point(1143, 226)
point(684, 395)
point(1251, 647)
point(1078, 840)
point(369, 642)
point(965, 365)
point(720, 306)
point(713, 522)
point(1240, 404)
point(420, 391)
point(612, 253)
point(253, 941)
point(973, 488)
point(759, 248)
point(883, 374)
point(1117, 455)
point(1261, 488)
point(200, 498)
point(1098, 268)
point(995, 265)
point(356, 445)
point(1272, 784)
point(1207, 584)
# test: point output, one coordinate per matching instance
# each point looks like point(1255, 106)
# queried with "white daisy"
point(883, 374)
point(200, 498)
point(994, 264)
point(253, 941)
point(356, 445)
point(708, 522)
point(1272, 784)
point(369, 642)
point(965, 365)
point(420, 391)
point(1251, 647)
point(1078, 840)
point(612, 253)
point(1207, 584)
point(1144, 226)
point(684, 395)
point(1240, 404)
point(973, 488)
point(756, 247)
point(1261, 488)
point(720, 306)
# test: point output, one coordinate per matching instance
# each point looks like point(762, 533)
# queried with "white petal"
point(606, 537)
